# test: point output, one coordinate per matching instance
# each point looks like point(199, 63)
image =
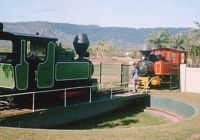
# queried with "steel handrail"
point(65, 92)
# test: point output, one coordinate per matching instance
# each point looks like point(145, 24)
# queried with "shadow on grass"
point(120, 117)
point(129, 121)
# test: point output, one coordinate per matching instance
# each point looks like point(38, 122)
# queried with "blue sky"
point(120, 13)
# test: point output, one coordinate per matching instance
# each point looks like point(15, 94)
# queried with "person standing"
point(135, 78)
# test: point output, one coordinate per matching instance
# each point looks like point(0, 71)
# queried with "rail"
point(65, 92)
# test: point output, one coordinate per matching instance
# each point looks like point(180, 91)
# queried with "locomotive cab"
point(22, 59)
point(8, 59)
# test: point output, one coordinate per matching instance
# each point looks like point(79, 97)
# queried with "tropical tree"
point(100, 49)
point(178, 41)
point(191, 43)
point(197, 32)
point(159, 39)
point(194, 46)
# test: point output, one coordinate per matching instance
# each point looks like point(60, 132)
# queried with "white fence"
point(190, 79)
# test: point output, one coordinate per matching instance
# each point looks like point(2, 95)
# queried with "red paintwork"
point(170, 64)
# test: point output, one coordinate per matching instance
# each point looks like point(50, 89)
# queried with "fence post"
point(170, 82)
point(122, 65)
point(146, 86)
point(111, 92)
point(90, 94)
point(100, 72)
point(101, 86)
point(183, 81)
point(33, 103)
point(65, 96)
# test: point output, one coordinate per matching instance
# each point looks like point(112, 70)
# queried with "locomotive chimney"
point(146, 50)
point(81, 44)
point(1, 27)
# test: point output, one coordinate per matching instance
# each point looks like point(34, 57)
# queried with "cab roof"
point(169, 49)
point(20, 36)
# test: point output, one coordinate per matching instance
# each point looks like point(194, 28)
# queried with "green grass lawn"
point(187, 129)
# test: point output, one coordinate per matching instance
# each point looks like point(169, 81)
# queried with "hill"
point(116, 36)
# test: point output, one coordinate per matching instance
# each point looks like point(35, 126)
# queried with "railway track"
point(168, 116)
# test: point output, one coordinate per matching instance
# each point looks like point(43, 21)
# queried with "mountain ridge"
point(65, 32)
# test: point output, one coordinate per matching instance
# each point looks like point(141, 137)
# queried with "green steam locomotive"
point(34, 63)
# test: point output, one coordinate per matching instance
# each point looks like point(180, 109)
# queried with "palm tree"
point(197, 32)
point(178, 41)
point(159, 39)
point(197, 23)
point(193, 45)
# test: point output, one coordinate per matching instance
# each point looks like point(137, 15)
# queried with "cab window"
point(6, 51)
point(36, 50)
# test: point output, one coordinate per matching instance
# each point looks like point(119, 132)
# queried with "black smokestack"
point(81, 44)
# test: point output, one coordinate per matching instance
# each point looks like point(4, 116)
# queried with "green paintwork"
point(60, 54)
point(22, 69)
point(45, 73)
point(72, 71)
point(6, 76)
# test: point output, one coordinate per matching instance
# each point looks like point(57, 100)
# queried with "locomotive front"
point(146, 69)
point(145, 66)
